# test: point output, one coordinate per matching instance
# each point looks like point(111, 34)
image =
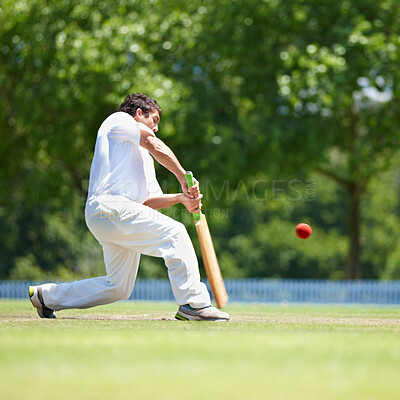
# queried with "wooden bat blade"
point(210, 261)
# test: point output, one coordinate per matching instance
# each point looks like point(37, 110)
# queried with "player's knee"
point(125, 293)
point(119, 291)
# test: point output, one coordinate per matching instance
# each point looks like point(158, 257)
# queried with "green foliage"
point(381, 227)
point(261, 237)
point(258, 97)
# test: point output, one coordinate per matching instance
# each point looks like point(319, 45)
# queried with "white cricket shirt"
point(120, 165)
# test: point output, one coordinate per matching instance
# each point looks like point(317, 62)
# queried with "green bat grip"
point(189, 181)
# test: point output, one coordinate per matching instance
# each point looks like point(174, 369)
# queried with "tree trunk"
point(353, 268)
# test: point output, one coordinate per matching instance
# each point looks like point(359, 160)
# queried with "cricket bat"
point(210, 261)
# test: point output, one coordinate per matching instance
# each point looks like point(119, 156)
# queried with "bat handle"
point(189, 181)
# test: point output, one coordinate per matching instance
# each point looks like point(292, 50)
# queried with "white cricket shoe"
point(35, 294)
point(210, 313)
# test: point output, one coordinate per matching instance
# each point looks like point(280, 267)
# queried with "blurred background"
point(286, 111)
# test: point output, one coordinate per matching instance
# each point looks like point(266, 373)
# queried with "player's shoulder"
point(118, 120)
point(120, 117)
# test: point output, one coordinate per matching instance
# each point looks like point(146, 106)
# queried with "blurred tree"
point(309, 83)
point(342, 70)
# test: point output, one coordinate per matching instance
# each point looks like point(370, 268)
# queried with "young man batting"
point(121, 213)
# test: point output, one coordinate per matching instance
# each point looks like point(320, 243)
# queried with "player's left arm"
point(169, 200)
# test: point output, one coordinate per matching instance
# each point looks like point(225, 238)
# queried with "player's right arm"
point(165, 156)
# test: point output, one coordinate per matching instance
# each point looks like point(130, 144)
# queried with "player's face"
point(151, 121)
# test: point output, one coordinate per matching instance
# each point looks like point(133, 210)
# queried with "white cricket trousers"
point(127, 229)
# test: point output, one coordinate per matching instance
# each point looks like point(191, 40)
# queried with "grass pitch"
point(135, 350)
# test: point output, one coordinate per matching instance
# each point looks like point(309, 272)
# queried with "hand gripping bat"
point(210, 261)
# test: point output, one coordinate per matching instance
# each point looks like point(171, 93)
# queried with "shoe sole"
point(181, 317)
point(187, 317)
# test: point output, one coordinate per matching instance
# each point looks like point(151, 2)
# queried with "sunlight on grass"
point(115, 352)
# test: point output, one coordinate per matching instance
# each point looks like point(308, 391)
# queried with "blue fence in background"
point(260, 290)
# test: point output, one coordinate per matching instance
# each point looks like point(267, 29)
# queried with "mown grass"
point(137, 351)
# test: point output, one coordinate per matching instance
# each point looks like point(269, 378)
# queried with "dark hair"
point(139, 100)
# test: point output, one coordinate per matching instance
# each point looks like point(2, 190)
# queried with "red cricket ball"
point(303, 231)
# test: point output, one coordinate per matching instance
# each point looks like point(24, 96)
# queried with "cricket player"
point(121, 213)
